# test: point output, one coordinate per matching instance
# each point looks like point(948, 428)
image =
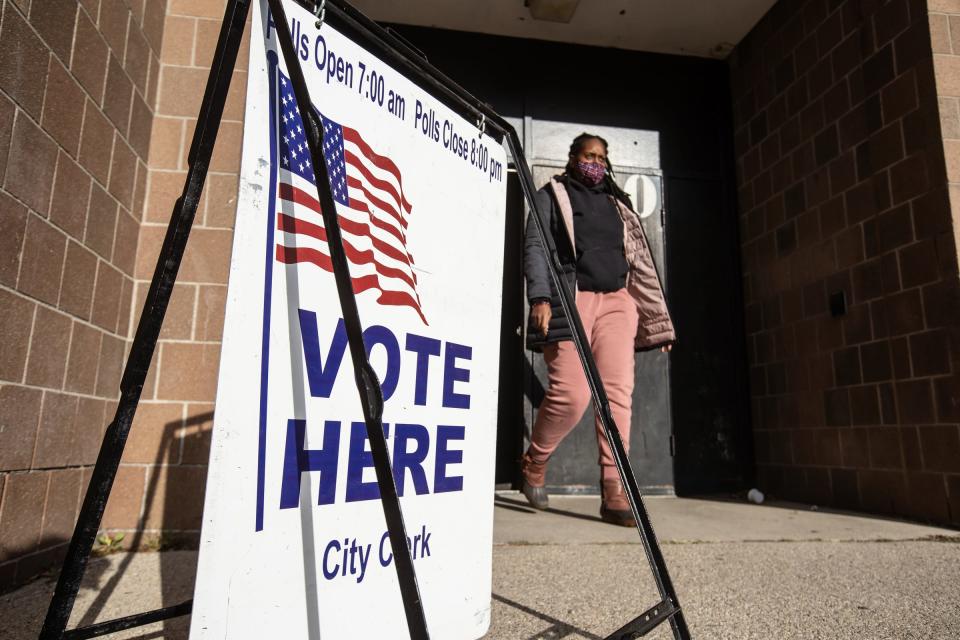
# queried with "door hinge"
point(673, 446)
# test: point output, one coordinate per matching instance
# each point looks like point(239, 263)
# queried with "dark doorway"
point(708, 387)
point(510, 425)
point(686, 101)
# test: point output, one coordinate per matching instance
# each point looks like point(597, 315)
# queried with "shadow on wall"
point(119, 585)
point(179, 519)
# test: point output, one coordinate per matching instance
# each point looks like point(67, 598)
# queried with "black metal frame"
point(411, 61)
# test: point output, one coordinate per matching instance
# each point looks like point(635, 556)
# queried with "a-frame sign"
point(352, 121)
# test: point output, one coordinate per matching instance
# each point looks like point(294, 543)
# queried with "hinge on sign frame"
point(673, 446)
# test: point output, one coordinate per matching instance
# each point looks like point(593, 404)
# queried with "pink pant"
point(610, 324)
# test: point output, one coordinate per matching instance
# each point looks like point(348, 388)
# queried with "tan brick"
point(126, 498)
point(181, 91)
point(137, 11)
point(208, 31)
point(22, 516)
point(62, 107)
point(140, 192)
point(178, 38)
point(137, 60)
point(7, 114)
point(153, 17)
point(950, 118)
point(954, 33)
point(44, 247)
point(110, 367)
point(101, 222)
point(153, 82)
point(947, 73)
point(176, 498)
point(125, 243)
point(96, 143)
point(63, 505)
point(221, 191)
point(952, 154)
point(13, 227)
point(71, 197)
point(79, 276)
point(48, 349)
point(55, 24)
point(165, 144)
point(243, 56)
point(151, 239)
point(82, 362)
point(207, 258)
point(126, 302)
point(92, 7)
point(165, 187)
point(154, 436)
point(19, 417)
point(89, 61)
point(118, 96)
point(106, 297)
point(141, 122)
point(114, 18)
point(123, 173)
point(211, 305)
point(16, 322)
point(226, 152)
point(189, 371)
point(189, 127)
point(90, 426)
point(197, 8)
point(31, 165)
point(23, 62)
point(196, 434)
point(178, 320)
point(236, 97)
point(57, 437)
point(940, 33)
point(943, 6)
point(23, 4)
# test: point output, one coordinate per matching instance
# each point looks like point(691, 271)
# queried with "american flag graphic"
point(373, 212)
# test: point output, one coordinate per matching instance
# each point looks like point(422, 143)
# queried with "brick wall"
point(160, 486)
point(77, 85)
point(843, 188)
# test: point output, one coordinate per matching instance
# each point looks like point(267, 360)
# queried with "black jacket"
point(655, 328)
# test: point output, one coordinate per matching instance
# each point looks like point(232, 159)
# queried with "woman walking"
point(606, 259)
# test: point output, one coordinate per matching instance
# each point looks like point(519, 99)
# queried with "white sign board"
point(294, 541)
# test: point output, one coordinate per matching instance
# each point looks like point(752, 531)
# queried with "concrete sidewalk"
point(741, 571)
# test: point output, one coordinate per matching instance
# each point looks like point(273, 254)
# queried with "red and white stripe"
point(373, 227)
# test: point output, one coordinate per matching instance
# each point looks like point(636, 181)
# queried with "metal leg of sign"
point(371, 396)
point(144, 343)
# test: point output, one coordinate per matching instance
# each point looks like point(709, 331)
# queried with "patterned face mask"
point(591, 172)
